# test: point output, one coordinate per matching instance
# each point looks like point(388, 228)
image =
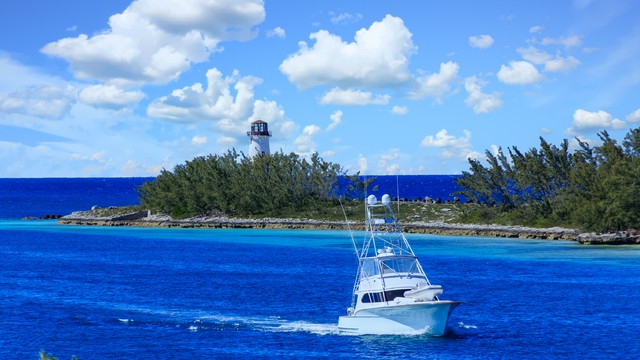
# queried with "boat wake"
point(195, 322)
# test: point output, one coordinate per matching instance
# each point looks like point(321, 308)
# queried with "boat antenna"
point(398, 193)
point(353, 241)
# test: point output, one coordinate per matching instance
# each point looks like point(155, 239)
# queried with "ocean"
point(135, 293)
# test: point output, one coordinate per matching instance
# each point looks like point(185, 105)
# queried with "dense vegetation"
point(234, 184)
point(594, 188)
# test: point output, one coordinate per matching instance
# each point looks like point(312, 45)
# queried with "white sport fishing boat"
point(392, 294)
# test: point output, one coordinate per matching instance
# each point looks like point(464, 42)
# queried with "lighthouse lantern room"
point(259, 138)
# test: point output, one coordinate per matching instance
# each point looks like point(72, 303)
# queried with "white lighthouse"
point(259, 138)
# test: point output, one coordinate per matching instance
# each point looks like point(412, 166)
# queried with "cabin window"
point(381, 297)
point(372, 298)
point(392, 294)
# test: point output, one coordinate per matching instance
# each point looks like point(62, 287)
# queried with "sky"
point(115, 88)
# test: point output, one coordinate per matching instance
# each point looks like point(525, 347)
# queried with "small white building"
point(259, 138)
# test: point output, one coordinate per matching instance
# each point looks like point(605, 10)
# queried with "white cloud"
point(15, 76)
point(229, 114)
point(45, 101)
point(336, 119)
point(587, 121)
point(437, 85)
point(450, 146)
point(574, 143)
point(337, 96)
point(444, 140)
point(519, 73)
point(481, 102)
point(560, 64)
point(363, 164)
point(154, 41)
point(199, 140)
point(304, 143)
point(271, 112)
point(109, 96)
point(216, 102)
point(328, 154)
point(634, 116)
point(480, 41)
point(566, 41)
point(386, 165)
point(345, 18)
point(534, 55)
point(535, 29)
point(131, 168)
point(399, 110)
point(226, 142)
point(378, 56)
point(277, 32)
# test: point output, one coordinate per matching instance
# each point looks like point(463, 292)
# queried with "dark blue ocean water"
point(133, 293)
point(60, 196)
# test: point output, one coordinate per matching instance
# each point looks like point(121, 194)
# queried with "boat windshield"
point(399, 265)
point(369, 268)
point(389, 266)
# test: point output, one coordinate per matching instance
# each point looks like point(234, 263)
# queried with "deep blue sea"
point(134, 293)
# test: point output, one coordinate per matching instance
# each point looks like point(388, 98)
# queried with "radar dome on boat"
point(386, 200)
point(371, 200)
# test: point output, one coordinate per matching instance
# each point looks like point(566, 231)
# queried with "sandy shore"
point(144, 219)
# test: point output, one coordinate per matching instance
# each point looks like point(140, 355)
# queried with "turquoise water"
point(134, 293)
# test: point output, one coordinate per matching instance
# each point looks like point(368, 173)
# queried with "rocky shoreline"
point(145, 219)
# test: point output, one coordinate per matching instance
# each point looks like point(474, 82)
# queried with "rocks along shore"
point(145, 219)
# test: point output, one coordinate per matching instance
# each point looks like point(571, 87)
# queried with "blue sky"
point(126, 88)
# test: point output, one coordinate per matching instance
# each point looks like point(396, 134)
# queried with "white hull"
point(415, 318)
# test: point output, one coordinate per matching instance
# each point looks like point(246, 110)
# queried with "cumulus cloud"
point(449, 145)
point(45, 101)
point(399, 110)
point(363, 164)
point(195, 103)
point(378, 57)
point(480, 41)
point(345, 18)
point(587, 121)
point(560, 64)
point(277, 32)
point(566, 41)
point(634, 116)
point(199, 140)
point(336, 119)
point(442, 139)
point(386, 163)
point(535, 29)
point(519, 73)
point(304, 143)
point(337, 96)
point(534, 55)
point(271, 112)
point(481, 102)
point(230, 113)
point(437, 85)
point(154, 41)
point(109, 96)
point(226, 142)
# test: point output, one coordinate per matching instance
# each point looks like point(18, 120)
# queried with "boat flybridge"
point(392, 294)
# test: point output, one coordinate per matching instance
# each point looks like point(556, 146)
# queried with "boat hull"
point(429, 317)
